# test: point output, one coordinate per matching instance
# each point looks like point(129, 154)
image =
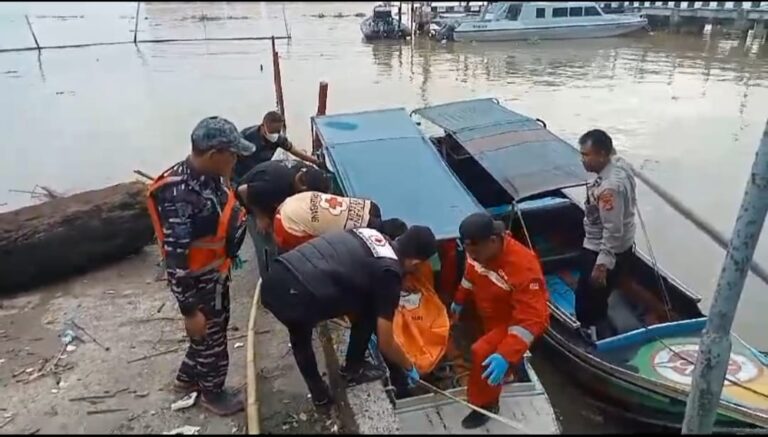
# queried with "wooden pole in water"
point(715, 344)
point(34, 37)
point(278, 82)
point(251, 369)
point(322, 105)
point(136, 24)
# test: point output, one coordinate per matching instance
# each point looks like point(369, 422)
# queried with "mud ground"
point(129, 310)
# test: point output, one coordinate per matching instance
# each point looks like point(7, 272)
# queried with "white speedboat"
point(508, 21)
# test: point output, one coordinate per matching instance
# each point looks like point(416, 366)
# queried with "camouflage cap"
point(216, 133)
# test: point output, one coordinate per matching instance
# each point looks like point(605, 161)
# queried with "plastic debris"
point(185, 402)
point(186, 430)
point(68, 336)
point(239, 345)
point(54, 391)
point(110, 291)
point(71, 348)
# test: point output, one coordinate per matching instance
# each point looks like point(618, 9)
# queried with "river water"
point(689, 110)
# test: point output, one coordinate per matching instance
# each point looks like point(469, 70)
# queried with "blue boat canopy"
point(524, 157)
point(382, 155)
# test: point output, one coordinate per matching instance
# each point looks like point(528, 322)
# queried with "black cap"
point(316, 180)
point(417, 242)
point(480, 226)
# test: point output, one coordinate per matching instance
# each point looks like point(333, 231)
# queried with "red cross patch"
point(334, 205)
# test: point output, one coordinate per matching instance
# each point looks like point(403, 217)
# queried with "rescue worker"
point(609, 232)
point(200, 227)
point(267, 138)
point(505, 281)
point(264, 188)
point(359, 272)
point(309, 214)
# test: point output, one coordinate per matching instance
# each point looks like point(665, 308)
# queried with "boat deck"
point(520, 402)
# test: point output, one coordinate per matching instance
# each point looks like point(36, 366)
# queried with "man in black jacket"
point(357, 272)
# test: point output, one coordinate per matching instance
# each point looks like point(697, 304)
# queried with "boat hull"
point(467, 32)
point(637, 402)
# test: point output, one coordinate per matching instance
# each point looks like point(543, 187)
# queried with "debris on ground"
point(107, 411)
point(102, 396)
point(184, 403)
point(141, 394)
point(239, 345)
point(186, 430)
point(70, 348)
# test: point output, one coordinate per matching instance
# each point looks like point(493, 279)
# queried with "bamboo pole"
point(136, 24)
point(147, 41)
point(32, 31)
point(252, 393)
point(702, 225)
point(715, 344)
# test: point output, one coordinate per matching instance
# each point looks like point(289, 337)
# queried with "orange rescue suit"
point(205, 253)
point(511, 298)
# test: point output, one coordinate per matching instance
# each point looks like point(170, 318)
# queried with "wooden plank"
point(252, 393)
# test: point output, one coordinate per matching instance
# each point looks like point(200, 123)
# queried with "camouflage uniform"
point(609, 228)
point(189, 208)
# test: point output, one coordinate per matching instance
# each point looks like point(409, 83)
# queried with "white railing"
point(686, 5)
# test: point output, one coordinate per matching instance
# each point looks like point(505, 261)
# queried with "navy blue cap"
point(216, 133)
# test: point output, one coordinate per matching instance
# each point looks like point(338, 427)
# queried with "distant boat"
point(384, 25)
point(509, 21)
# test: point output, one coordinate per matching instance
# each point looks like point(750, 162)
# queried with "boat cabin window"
point(559, 12)
point(513, 12)
point(591, 11)
point(541, 13)
point(576, 12)
point(494, 10)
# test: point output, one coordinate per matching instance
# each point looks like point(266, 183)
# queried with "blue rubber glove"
point(497, 368)
point(456, 308)
point(413, 376)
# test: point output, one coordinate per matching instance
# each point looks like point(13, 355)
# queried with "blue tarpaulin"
point(383, 156)
point(523, 156)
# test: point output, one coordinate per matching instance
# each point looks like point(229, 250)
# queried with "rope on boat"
point(667, 300)
point(516, 425)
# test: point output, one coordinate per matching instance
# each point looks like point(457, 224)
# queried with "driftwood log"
point(71, 235)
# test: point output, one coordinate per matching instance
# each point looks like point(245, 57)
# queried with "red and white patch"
point(333, 204)
point(379, 245)
point(606, 200)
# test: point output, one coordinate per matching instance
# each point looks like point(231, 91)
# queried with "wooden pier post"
point(278, 82)
point(322, 105)
point(715, 344)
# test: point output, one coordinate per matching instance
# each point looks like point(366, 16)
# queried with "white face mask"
point(272, 137)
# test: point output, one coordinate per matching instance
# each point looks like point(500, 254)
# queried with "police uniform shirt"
point(609, 220)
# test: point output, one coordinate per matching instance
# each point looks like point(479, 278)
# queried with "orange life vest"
point(421, 326)
point(205, 253)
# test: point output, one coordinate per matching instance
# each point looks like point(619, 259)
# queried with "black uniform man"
point(267, 139)
point(264, 188)
point(357, 272)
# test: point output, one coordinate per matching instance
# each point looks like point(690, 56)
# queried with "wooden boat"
point(521, 172)
point(382, 155)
